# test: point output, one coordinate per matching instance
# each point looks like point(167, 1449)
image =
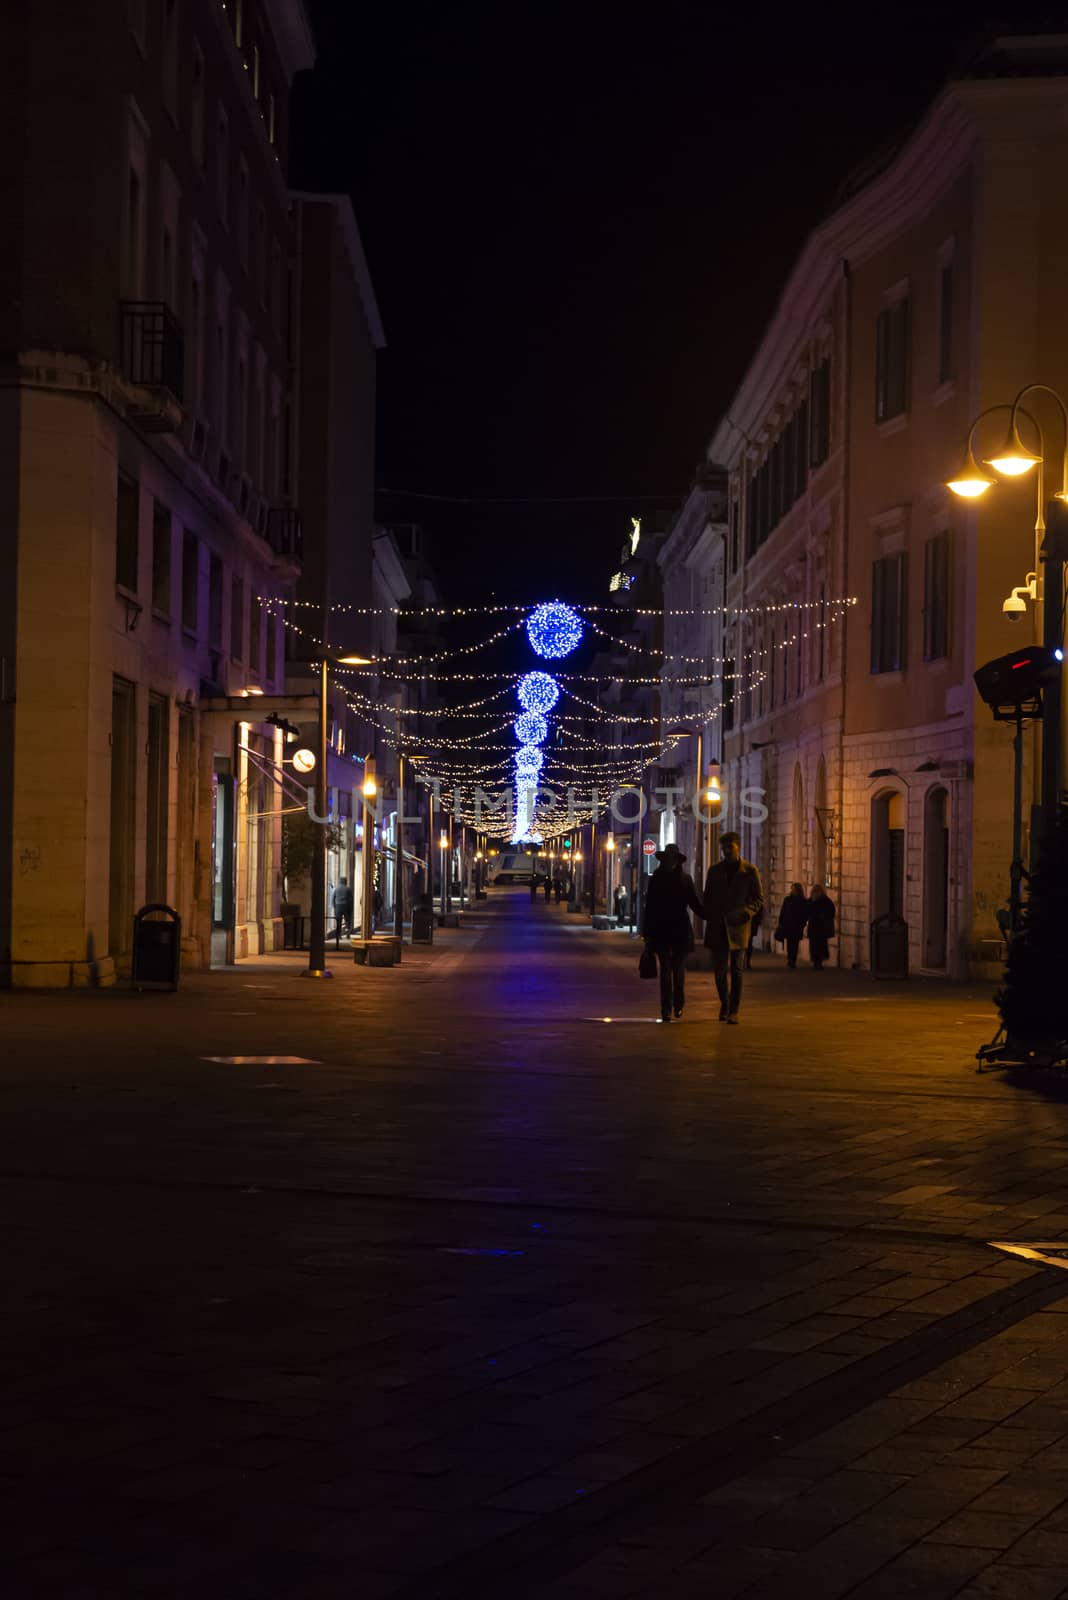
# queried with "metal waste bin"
point(890, 946)
point(423, 925)
point(157, 948)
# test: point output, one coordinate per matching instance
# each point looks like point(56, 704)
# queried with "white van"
point(511, 866)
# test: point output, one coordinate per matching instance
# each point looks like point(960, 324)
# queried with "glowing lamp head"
point(1014, 458)
point(303, 760)
point(971, 481)
point(370, 788)
point(610, 843)
point(444, 840)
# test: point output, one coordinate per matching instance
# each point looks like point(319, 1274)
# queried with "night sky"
point(578, 220)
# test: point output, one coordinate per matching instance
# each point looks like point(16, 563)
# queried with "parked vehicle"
point(513, 866)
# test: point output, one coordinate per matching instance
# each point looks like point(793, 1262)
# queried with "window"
point(945, 322)
point(196, 118)
point(237, 618)
point(936, 574)
point(734, 535)
point(161, 560)
point(242, 211)
point(801, 449)
point(170, 57)
point(215, 602)
point(821, 631)
point(271, 629)
point(156, 798)
point(190, 581)
point(261, 254)
point(728, 695)
point(891, 361)
point(888, 614)
point(255, 641)
point(271, 119)
point(256, 72)
point(239, 22)
point(276, 285)
point(222, 166)
point(747, 678)
point(134, 254)
point(819, 413)
point(127, 507)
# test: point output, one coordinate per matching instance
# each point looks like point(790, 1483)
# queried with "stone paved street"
point(492, 1296)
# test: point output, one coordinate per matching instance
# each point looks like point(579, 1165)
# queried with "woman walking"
point(792, 919)
point(666, 926)
point(820, 926)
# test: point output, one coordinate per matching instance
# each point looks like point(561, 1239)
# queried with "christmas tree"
point(1034, 998)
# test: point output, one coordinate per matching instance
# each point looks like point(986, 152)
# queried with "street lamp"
point(1013, 460)
point(444, 843)
point(370, 790)
point(317, 967)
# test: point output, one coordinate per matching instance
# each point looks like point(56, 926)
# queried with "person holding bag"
point(667, 929)
point(820, 926)
point(791, 925)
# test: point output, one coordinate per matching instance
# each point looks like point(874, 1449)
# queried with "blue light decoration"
point(538, 691)
point(531, 728)
point(554, 630)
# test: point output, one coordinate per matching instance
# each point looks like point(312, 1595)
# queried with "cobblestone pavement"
point(489, 1296)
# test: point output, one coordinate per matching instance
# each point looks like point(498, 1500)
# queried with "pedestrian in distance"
point(548, 889)
point(733, 897)
point(343, 906)
point(793, 915)
point(754, 929)
point(533, 887)
point(376, 907)
point(666, 926)
point(820, 925)
point(558, 887)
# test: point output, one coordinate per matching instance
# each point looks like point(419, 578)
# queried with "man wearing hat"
point(733, 897)
point(666, 926)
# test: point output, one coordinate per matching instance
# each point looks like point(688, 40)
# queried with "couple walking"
point(800, 914)
point(732, 898)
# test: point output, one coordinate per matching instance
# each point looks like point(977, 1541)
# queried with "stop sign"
point(648, 847)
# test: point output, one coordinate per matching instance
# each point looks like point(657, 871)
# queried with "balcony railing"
point(285, 532)
point(153, 346)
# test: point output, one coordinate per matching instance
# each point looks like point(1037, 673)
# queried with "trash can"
point(890, 946)
point(423, 924)
point(157, 948)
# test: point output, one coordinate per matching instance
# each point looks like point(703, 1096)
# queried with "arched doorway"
point(888, 854)
point(935, 878)
point(819, 838)
point(797, 821)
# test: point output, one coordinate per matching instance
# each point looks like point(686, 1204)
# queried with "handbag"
point(647, 965)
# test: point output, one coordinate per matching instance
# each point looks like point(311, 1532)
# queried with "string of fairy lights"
point(503, 758)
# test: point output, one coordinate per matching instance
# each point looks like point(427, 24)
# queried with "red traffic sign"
point(648, 847)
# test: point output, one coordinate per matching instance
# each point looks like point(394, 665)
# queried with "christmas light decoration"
point(531, 728)
point(554, 630)
point(538, 691)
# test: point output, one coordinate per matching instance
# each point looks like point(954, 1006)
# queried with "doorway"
point(935, 878)
point(888, 854)
point(123, 831)
point(222, 862)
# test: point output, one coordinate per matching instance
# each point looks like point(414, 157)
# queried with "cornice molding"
point(350, 232)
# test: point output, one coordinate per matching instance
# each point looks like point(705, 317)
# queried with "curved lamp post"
point(1013, 459)
point(317, 967)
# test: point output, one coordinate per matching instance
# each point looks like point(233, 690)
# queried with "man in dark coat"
point(733, 897)
point(343, 906)
point(792, 919)
point(666, 928)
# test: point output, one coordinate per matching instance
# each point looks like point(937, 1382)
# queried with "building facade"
point(146, 435)
point(861, 596)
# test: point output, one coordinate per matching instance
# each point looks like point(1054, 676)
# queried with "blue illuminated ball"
point(538, 692)
point(531, 728)
point(528, 759)
point(554, 629)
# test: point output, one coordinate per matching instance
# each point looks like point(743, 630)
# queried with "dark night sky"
point(578, 219)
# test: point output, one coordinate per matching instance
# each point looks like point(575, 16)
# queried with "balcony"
point(152, 351)
point(285, 532)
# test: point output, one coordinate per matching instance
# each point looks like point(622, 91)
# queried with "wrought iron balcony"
point(285, 532)
point(153, 346)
